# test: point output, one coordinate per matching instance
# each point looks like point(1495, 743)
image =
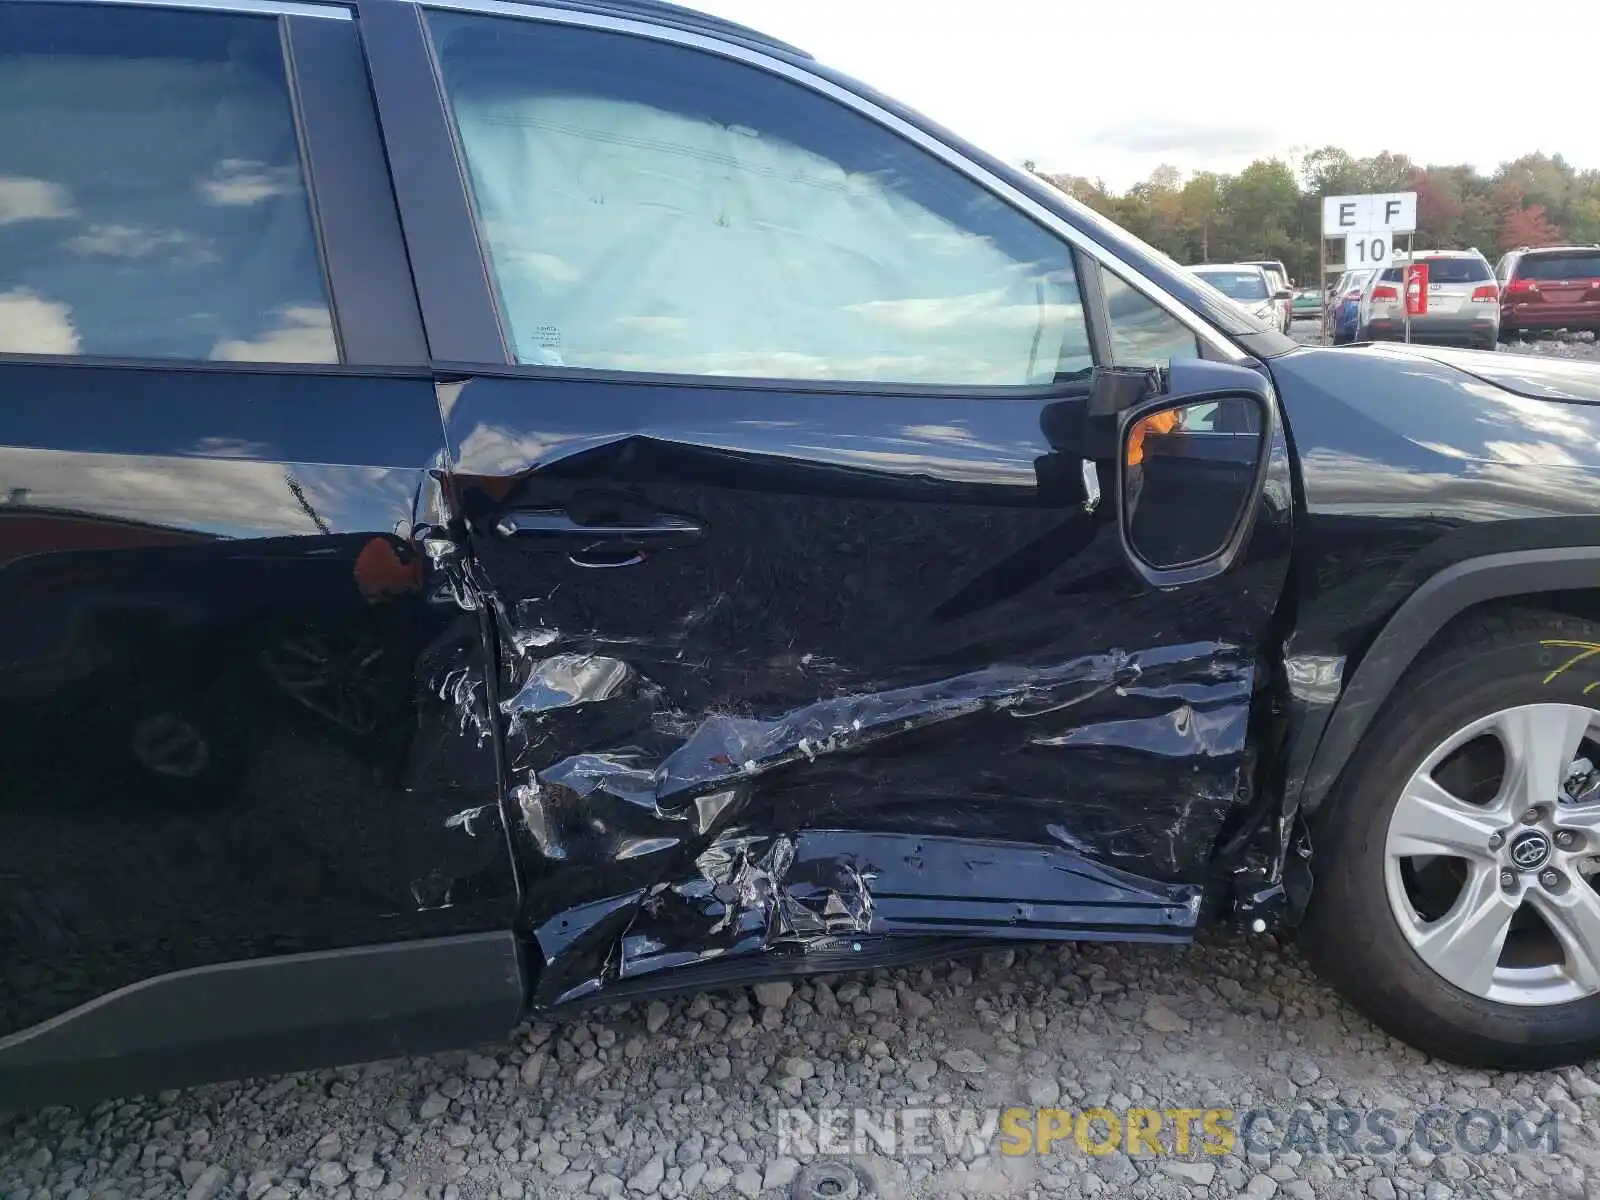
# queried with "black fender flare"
point(1439, 600)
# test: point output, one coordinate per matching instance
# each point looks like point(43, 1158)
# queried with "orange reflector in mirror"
point(1156, 423)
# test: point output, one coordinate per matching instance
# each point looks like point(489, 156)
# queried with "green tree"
point(1330, 172)
point(1262, 207)
point(1202, 207)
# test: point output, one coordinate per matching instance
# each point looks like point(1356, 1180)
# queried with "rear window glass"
point(1237, 285)
point(1457, 270)
point(1445, 270)
point(151, 197)
point(1581, 265)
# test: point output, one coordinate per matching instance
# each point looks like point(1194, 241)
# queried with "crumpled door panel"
point(904, 686)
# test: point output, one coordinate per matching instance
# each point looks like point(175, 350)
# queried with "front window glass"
point(651, 208)
point(151, 197)
point(1143, 334)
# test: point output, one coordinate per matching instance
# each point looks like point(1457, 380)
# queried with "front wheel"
point(1455, 900)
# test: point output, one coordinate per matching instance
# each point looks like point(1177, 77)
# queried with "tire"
point(1352, 932)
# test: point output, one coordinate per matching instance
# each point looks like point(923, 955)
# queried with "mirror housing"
point(1283, 294)
point(1190, 470)
point(1091, 428)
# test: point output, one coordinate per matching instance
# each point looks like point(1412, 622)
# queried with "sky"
point(1113, 89)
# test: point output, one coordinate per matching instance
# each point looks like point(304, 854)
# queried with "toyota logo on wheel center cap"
point(1530, 851)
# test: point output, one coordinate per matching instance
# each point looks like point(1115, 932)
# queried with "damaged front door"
point(817, 636)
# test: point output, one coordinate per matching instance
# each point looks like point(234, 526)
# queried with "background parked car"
point(1463, 302)
point(1306, 303)
point(1278, 274)
point(1347, 290)
point(1249, 286)
point(1549, 287)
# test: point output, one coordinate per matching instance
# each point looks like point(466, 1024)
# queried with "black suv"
point(510, 509)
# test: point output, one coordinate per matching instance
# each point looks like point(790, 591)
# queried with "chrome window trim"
point(1211, 338)
point(272, 8)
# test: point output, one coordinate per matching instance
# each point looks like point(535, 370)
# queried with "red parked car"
point(1549, 287)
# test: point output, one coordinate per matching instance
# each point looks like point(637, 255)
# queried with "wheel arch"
point(1565, 578)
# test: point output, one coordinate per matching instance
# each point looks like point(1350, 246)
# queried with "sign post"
point(1322, 287)
point(1369, 225)
point(1416, 278)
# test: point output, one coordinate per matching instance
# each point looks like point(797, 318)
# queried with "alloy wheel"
point(1490, 852)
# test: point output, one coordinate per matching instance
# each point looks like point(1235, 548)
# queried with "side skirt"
point(266, 1016)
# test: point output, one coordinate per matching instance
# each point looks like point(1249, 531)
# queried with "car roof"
point(1554, 249)
point(1239, 266)
point(660, 12)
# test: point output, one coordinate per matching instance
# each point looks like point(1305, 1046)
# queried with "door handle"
point(557, 529)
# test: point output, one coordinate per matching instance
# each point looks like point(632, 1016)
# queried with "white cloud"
point(1154, 135)
point(242, 181)
point(303, 333)
point(141, 241)
point(26, 199)
point(30, 324)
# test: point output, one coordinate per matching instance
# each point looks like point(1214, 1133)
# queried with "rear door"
point(235, 765)
point(815, 627)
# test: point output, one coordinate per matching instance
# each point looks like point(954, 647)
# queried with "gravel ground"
point(687, 1098)
point(683, 1098)
point(1575, 346)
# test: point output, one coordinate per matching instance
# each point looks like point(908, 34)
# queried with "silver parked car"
point(1278, 276)
point(1253, 288)
point(1463, 302)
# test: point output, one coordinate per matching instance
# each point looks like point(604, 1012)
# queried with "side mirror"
point(1283, 294)
point(1189, 473)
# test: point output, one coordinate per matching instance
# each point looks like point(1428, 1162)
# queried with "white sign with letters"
point(1368, 250)
point(1387, 213)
